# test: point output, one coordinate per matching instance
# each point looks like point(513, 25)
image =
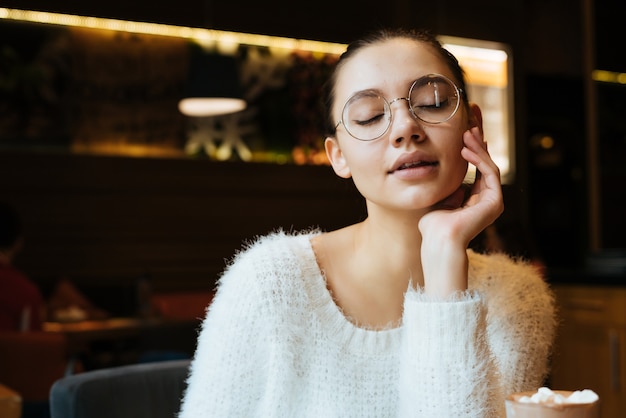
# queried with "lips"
point(409, 161)
point(414, 164)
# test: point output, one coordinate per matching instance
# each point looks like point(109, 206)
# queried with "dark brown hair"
point(381, 35)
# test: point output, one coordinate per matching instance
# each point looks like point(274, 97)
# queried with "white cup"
point(516, 409)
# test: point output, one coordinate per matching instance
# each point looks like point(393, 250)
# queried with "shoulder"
point(264, 265)
point(502, 271)
point(266, 278)
point(511, 286)
point(16, 281)
point(273, 251)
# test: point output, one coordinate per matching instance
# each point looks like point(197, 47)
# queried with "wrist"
point(445, 267)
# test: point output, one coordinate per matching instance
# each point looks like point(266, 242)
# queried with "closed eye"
point(434, 106)
point(370, 121)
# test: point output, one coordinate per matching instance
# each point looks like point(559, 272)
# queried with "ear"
point(475, 116)
point(336, 158)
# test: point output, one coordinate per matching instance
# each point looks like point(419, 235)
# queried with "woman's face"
point(414, 165)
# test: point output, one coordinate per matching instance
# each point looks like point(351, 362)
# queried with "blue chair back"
point(146, 390)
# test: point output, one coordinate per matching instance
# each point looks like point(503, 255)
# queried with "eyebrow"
point(366, 92)
point(379, 92)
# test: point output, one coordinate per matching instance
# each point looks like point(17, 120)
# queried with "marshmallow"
point(583, 396)
point(546, 395)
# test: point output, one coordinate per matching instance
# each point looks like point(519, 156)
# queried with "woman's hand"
point(453, 223)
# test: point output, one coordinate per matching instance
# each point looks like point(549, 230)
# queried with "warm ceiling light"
point(210, 106)
point(213, 87)
point(198, 34)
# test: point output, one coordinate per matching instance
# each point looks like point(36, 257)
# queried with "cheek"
point(449, 142)
point(456, 164)
point(362, 156)
point(461, 162)
point(365, 162)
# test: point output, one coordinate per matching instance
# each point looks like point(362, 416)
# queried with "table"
point(10, 403)
point(118, 341)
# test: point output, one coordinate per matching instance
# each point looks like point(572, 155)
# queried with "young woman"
point(393, 316)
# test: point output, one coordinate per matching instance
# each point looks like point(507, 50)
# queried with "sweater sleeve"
point(227, 367)
point(462, 356)
point(446, 365)
point(521, 320)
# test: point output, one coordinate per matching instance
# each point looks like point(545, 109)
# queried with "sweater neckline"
point(334, 321)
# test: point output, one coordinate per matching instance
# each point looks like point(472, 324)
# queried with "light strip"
point(488, 67)
point(198, 34)
point(493, 55)
point(608, 76)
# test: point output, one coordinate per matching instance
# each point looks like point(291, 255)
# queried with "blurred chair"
point(182, 305)
point(30, 362)
point(148, 390)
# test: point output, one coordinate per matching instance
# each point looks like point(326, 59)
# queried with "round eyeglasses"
point(433, 99)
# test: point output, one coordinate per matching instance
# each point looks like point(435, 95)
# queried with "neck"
point(390, 245)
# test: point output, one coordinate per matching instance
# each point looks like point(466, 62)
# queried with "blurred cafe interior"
point(133, 199)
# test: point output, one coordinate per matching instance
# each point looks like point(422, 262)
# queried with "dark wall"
point(110, 220)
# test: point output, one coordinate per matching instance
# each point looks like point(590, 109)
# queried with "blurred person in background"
point(22, 305)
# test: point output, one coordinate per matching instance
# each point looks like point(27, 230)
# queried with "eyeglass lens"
point(433, 99)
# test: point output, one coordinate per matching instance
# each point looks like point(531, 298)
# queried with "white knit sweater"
point(274, 344)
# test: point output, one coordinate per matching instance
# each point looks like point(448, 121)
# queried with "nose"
point(404, 125)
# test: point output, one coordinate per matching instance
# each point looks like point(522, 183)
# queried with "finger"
point(469, 136)
point(475, 152)
point(473, 139)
